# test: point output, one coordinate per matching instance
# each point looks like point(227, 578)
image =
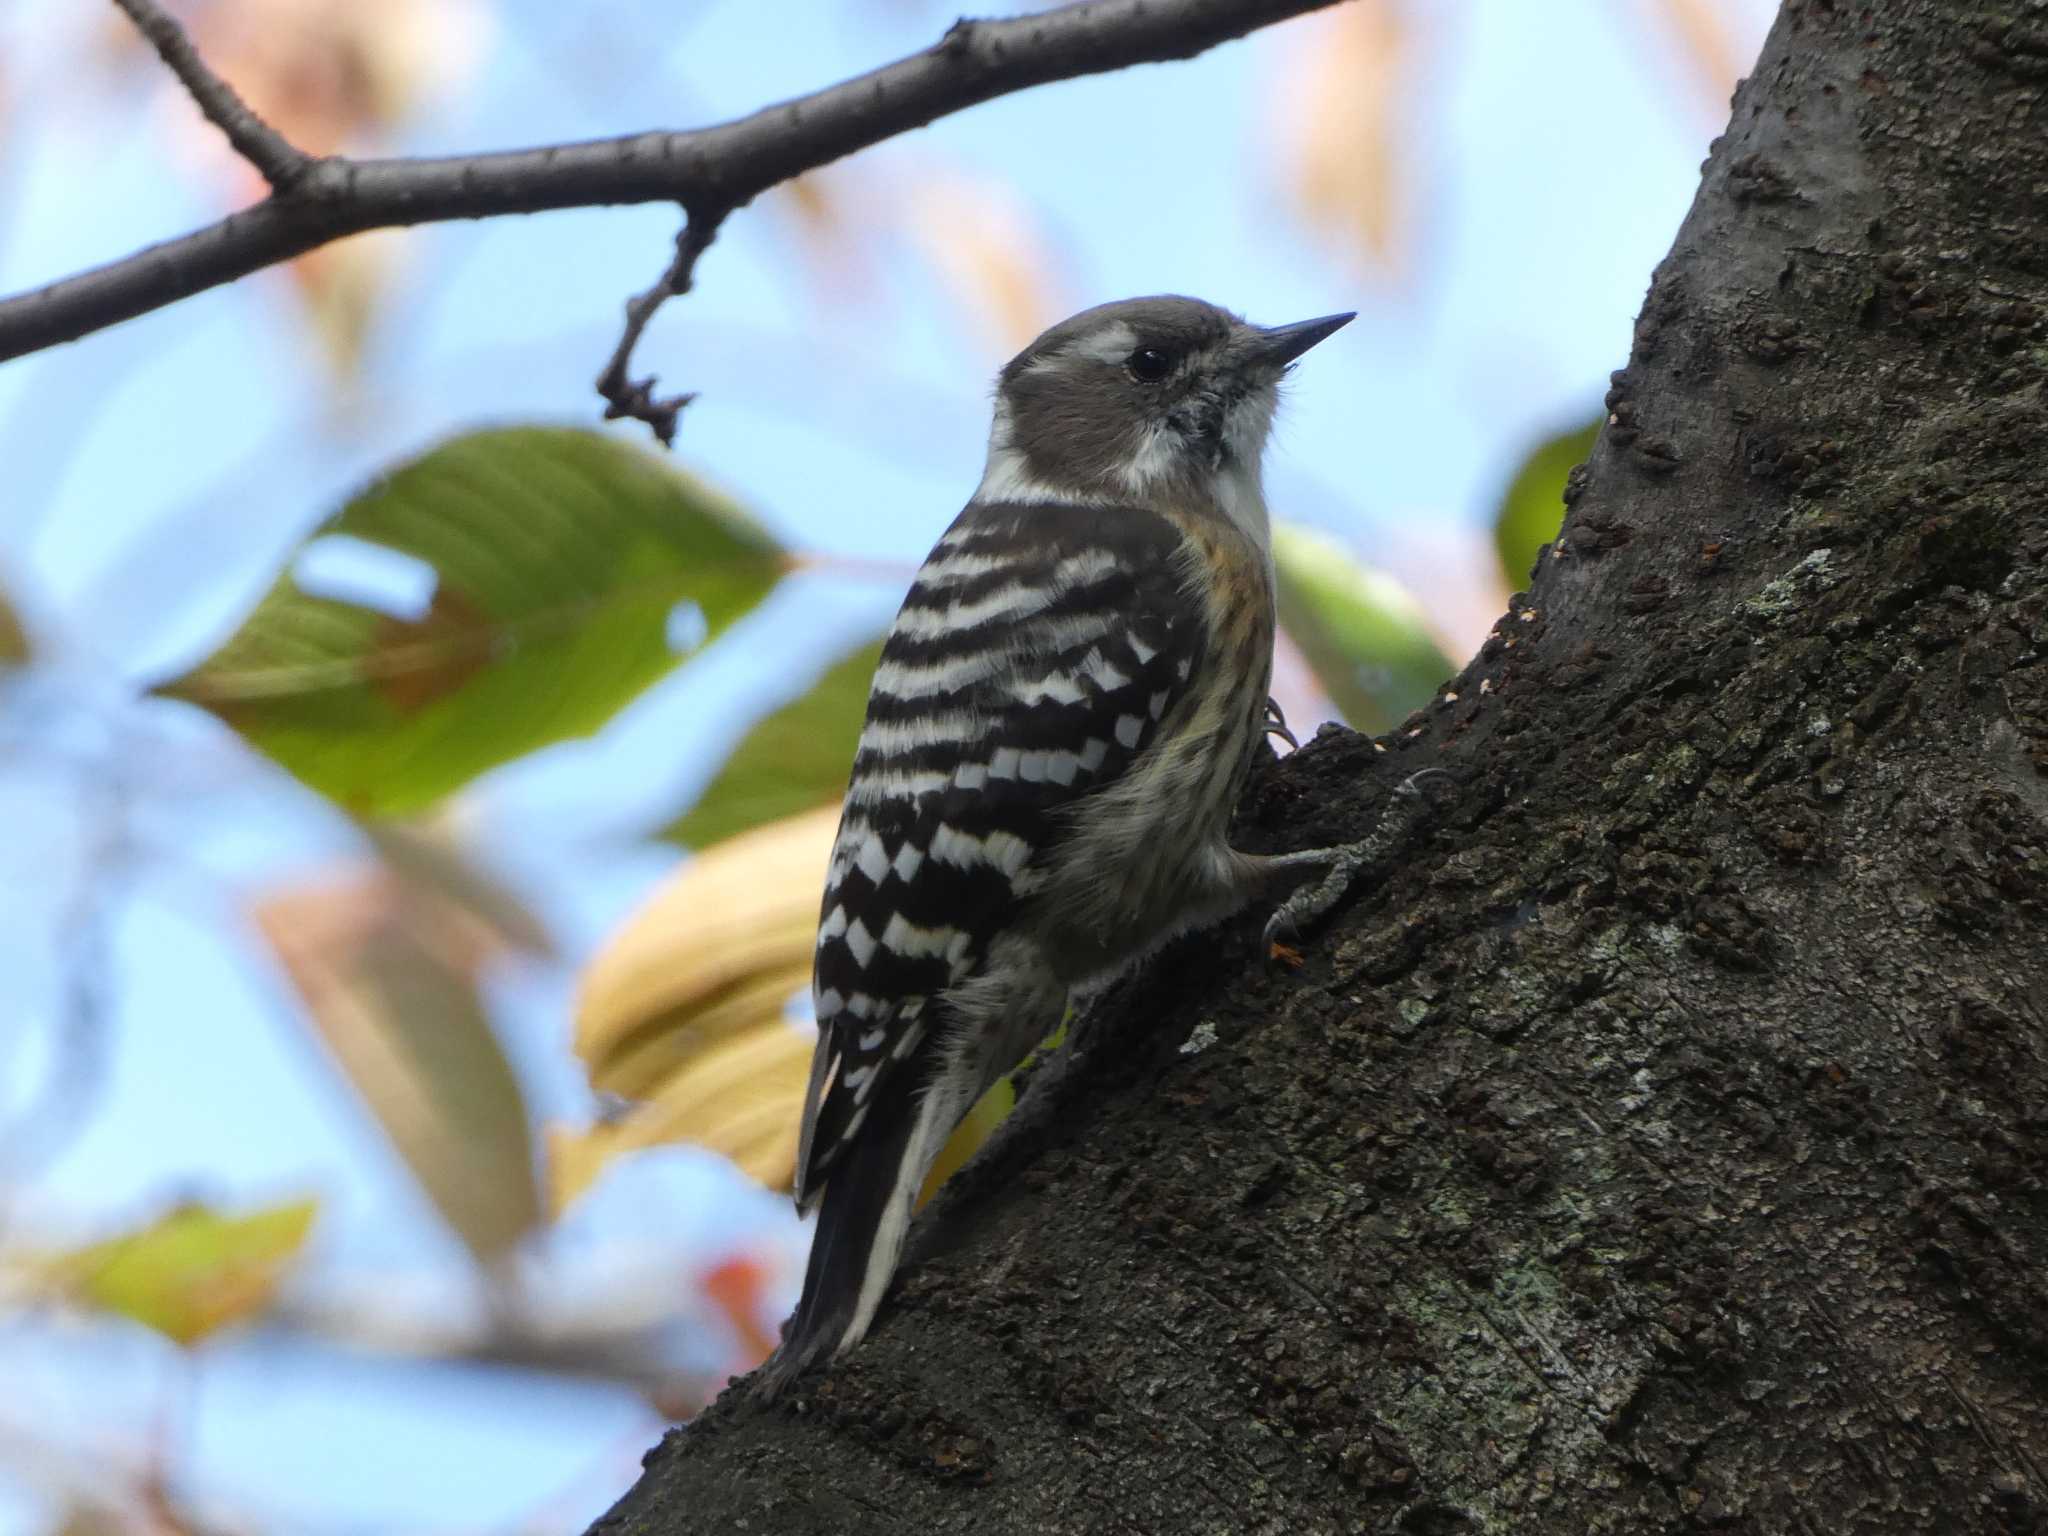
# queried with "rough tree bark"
point(1664, 1144)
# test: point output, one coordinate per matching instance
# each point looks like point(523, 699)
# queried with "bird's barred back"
point(1034, 659)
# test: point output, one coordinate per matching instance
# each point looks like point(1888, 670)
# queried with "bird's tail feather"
point(863, 1216)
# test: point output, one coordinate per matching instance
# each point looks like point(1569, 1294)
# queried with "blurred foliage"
point(1699, 31)
point(342, 287)
point(990, 250)
point(736, 1286)
point(332, 76)
point(1364, 634)
point(794, 759)
point(1339, 117)
point(386, 959)
point(684, 1010)
point(189, 1273)
point(15, 646)
point(1532, 508)
point(685, 1014)
point(428, 859)
point(560, 557)
point(992, 253)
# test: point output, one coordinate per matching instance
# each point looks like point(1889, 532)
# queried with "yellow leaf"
point(742, 1098)
point(1338, 101)
point(684, 1011)
point(720, 946)
point(191, 1272)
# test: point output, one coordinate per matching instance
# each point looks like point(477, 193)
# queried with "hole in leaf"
point(687, 627)
point(346, 569)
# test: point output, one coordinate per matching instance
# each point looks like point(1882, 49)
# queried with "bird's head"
point(1141, 401)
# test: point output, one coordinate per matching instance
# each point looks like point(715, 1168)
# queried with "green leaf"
point(1532, 507)
point(189, 1273)
point(1361, 630)
point(791, 760)
point(559, 554)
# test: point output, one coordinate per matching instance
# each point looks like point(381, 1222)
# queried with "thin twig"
point(281, 162)
point(634, 399)
point(721, 167)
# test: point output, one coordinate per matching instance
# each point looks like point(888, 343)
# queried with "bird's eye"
point(1149, 365)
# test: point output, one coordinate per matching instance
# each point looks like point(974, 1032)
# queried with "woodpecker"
point(1062, 719)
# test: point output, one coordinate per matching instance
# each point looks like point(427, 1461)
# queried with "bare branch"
point(721, 167)
point(635, 399)
point(281, 162)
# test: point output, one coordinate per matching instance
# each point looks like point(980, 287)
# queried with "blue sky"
point(153, 478)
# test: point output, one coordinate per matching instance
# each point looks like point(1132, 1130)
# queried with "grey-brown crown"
point(1164, 389)
point(1165, 320)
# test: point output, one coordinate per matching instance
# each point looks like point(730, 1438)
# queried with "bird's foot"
point(1407, 809)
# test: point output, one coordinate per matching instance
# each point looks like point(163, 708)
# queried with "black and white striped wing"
point(1032, 662)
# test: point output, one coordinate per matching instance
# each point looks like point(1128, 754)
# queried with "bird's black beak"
point(1279, 345)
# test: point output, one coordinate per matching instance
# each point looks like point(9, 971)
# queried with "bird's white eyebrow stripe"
point(1111, 344)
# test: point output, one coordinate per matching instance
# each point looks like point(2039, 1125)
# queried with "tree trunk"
point(1663, 1142)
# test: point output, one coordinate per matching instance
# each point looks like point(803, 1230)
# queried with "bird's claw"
point(1410, 786)
point(1276, 723)
point(1409, 807)
point(1279, 940)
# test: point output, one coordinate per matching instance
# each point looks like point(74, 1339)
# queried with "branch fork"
point(280, 162)
point(709, 172)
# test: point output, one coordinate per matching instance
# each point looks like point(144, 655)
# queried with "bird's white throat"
point(1235, 486)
